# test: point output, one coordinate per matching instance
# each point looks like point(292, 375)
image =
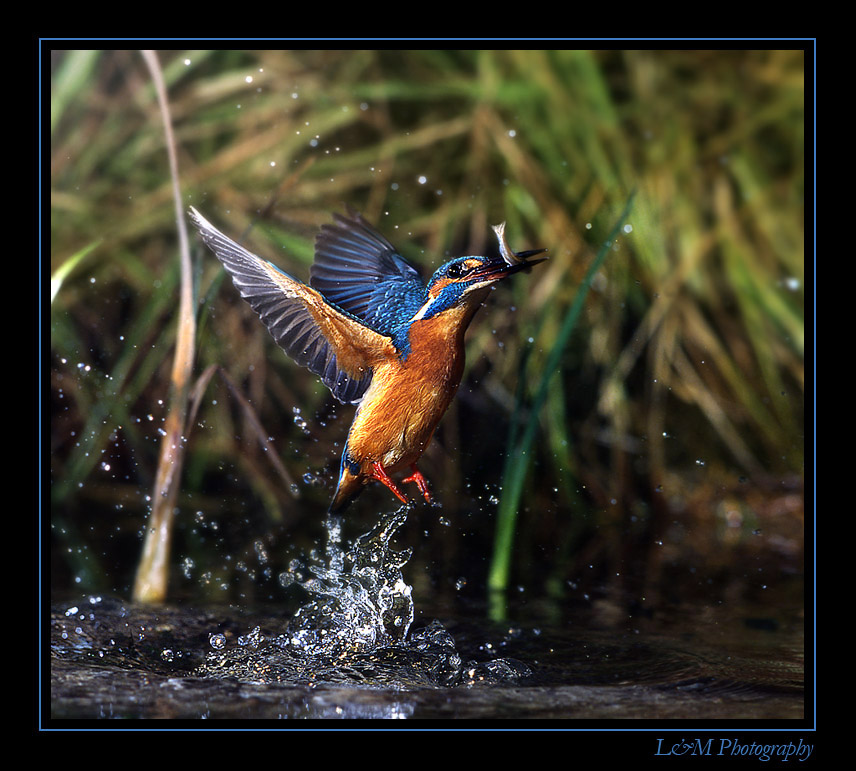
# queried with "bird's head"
point(461, 282)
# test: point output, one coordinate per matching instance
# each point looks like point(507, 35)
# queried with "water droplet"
point(253, 639)
point(217, 641)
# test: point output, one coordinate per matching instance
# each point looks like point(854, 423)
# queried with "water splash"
point(355, 627)
point(360, 599)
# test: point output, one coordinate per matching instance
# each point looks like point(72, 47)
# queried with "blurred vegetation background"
point(669, 450)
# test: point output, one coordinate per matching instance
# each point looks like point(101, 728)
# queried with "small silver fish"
point(512, 258)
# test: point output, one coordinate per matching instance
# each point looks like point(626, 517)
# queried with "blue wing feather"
point(358, 270)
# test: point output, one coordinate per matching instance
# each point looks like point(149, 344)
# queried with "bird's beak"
point(499, 269)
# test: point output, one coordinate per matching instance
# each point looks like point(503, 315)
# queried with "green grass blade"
point(518, 459)
point(63, 271)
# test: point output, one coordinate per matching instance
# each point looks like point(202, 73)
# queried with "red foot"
point(381, 476)
point(421, 482)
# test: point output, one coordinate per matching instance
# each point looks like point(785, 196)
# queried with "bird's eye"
point(458, 270)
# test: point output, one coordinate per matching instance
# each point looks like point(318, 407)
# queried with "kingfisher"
point(375, 333)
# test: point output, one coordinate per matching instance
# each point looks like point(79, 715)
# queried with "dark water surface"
point(113, 659)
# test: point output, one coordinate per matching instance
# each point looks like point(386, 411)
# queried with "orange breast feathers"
point(406, 400)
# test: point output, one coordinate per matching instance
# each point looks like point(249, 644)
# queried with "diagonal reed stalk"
point(152, 572)
point(518, 459)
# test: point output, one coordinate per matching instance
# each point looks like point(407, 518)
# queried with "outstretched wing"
point(340, 349)
point(358, 270)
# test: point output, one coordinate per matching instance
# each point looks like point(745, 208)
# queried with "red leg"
point(381, 476)
point(421, 482)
